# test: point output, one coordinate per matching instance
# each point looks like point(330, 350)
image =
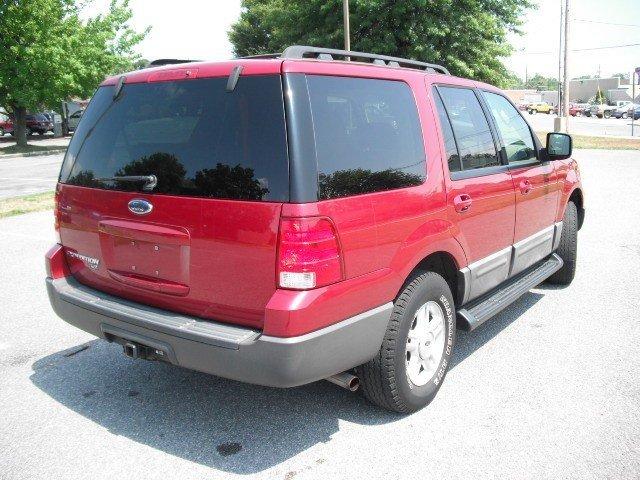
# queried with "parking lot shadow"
point(223, 424)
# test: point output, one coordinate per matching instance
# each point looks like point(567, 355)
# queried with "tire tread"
point(378, 376)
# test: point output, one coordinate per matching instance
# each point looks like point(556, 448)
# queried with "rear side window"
point(198, 139)
point(367, 134)
point(451, 150)
point(514, 131)
point(470, 127)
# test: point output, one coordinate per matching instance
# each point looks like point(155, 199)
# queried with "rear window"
point(368, 136)
point(193, 135)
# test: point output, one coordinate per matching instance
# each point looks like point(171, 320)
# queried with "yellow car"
point(540, 107)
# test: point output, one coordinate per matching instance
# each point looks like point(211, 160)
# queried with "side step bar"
point(475, 313)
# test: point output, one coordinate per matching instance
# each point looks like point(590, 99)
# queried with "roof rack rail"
point(262, 55)
point(169, 61)
point(301, 51)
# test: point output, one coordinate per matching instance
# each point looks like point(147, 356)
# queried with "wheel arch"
point(444, 264)
point(577, 198)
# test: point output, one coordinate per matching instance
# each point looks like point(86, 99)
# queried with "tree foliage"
point(540, 82)
point(49, 53)
point(467, 36)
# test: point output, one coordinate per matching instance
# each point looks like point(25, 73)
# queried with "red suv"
point(295, 218)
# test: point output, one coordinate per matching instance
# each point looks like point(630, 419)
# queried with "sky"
point(197, 29)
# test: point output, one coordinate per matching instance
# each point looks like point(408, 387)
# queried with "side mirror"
point(559, 146)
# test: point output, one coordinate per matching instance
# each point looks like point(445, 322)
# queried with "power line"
point(603, 48)
point(607, 23)
point(582, 49)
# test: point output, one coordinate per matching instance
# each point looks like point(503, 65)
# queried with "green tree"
point(48, 53)
point(469, 37)
point(540, 82)
point(513, 81)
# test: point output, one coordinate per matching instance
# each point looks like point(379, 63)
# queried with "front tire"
point(416, 351)
point(568, 248)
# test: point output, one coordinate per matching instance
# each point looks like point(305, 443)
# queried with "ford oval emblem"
point(140, 207)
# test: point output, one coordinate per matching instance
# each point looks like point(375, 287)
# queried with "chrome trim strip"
point(556, 235)
point(465, 273)
point(489, 271)
point(532, 249)
point(482, 275)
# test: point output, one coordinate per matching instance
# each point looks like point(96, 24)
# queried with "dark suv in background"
point(38, 123)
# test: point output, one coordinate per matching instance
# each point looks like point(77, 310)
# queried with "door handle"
point(462, 203)
point(525, 187)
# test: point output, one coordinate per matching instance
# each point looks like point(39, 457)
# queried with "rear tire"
point(421, 333)
point(568, 248)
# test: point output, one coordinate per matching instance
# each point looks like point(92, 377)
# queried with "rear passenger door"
point(480, 192)
point(535, 183)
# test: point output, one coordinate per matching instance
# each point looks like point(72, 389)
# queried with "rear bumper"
point(220, 349)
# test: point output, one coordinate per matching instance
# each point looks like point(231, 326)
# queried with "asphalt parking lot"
point(599, 127)
point(549, 389)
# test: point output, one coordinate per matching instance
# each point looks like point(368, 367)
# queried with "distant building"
point(524, 96)
point(616, 89)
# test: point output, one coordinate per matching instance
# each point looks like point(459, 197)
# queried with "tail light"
point(55, 263)
point(308, 253)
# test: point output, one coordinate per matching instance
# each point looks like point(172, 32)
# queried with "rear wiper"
point(150, 180)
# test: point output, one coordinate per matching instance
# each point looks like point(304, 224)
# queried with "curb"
point(33, 154)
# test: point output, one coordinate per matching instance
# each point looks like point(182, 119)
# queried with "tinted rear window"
point(198, 139)
point(368, 135)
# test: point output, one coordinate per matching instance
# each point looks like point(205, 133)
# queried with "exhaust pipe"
point(345, 380)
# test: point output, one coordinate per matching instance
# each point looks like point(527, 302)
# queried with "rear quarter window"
point(367, 134)
point(197, 138)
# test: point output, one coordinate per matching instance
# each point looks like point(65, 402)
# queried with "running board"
point(475, 313)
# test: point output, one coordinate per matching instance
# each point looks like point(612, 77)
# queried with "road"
point(27, 175)
point(586, 125)
point(549, 389)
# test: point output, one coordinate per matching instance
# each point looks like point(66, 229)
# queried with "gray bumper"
point(220, 349)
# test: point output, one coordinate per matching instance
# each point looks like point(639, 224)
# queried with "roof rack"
point(263, 56)
point(169, 61)
point(301, 51)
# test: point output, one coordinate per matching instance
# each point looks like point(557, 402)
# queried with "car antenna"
point(233, 78)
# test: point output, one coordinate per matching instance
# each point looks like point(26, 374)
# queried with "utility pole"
point(561, 122)
point(345, 14)
point(560, 65)
point(565, 100)
point(633, 100)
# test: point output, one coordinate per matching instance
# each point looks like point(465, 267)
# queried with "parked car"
point(74, 119)
point(578, 109)
point(280, 221)
point(38, 123)
point(6, 125)
point(541, 107)
point(624, 111)
point(602, 110)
